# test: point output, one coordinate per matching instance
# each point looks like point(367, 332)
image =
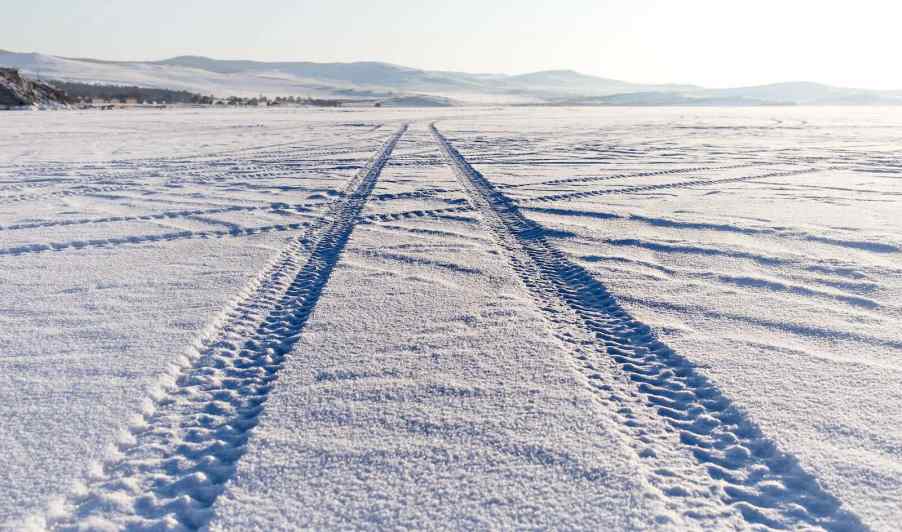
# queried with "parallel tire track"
point(25, 186)
point(665, 186)
point(710, 462)
point(590, 179)
point(187, 170)
point(413, 215)
point(175, 461)
point(165, 215)
point(74, 191)
point(416, 194)
point(277, 151)
point(130, 240)
point(101, 183)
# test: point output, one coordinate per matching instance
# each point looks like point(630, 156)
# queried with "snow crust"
point(146, 259)
point(426, 390)
point(784, 290)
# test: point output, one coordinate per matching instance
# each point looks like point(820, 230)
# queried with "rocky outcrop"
point(18, 91)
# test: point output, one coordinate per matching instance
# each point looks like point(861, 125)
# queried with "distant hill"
point(806, 93)
point(393, 83)
point(643, 99)
point(555, 82)
point(418, 101)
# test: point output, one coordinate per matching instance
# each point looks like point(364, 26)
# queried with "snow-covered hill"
point(804, 92)
point(555, 82)
point(384, 80)
point(170, 76)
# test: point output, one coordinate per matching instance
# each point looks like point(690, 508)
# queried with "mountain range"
point(385, 81)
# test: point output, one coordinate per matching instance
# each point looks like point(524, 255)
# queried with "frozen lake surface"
point(608, 318)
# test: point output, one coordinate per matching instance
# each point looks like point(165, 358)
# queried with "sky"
point(705, 42)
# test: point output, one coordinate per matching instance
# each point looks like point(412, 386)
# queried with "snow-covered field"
point(663, 318)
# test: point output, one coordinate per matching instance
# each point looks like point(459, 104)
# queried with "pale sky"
point(706, 42)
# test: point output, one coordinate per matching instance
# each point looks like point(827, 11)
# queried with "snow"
point(785, 291)
point(400, 86)
point(95, 313)
point(428, 397)
point(523, 318)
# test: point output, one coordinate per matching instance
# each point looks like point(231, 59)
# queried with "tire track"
point(198, 174)
point(413, 215)
point(75, 191)
point(664, 186)
point(415, 195)
point(112, 242)
point(710, 461)
point(260, 165)
point(266, 150)
point(590, 179)
point(174, 462)
point(165, 215)
point(101, 185)
point(32, 184)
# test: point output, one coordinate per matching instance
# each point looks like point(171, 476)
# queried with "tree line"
point(87, 92)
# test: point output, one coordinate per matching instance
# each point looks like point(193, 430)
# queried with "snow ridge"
point(174, 461)
point(711, 463)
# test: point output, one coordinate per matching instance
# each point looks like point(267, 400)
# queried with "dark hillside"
point(18, 91)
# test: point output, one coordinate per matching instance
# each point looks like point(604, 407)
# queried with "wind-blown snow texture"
point(387, 318)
